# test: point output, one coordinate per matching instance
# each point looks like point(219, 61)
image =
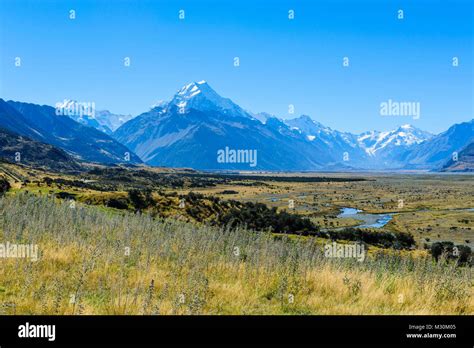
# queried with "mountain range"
point(190, 129)
point(196, 123)
point(198, 128)
point(103, 120)
point(42, 124)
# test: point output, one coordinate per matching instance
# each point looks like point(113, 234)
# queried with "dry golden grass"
point(178, 268)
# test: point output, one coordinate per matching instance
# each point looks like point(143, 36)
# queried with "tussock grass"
point(179, 268)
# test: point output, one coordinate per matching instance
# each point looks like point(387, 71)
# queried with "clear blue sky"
point(283, 61)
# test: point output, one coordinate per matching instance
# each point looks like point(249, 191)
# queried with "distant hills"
point(42, 124)
point(464, 161)
point(200, 129)
point(435, 152)
point(17, 148)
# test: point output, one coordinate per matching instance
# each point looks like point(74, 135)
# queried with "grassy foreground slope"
point(99, 261)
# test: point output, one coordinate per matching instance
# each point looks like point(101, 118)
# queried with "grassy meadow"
point(106, 261)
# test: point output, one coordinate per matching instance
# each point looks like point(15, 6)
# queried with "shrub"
point(141, 199)
point(465, 255)
point(461, 253)
point(117, 203)
point(440, 248)
point(4, 185)
point(257, 216)
point(66, 195)
point(399, 240)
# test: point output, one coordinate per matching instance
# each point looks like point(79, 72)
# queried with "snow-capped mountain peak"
point(307, 125)
point(159, 104)
point(86, 114)
point(200, 96)
point(111, 121)
point(406, 135)
point(193, 88)
point(76, 110)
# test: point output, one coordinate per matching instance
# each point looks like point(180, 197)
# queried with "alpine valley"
point(233, 209)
